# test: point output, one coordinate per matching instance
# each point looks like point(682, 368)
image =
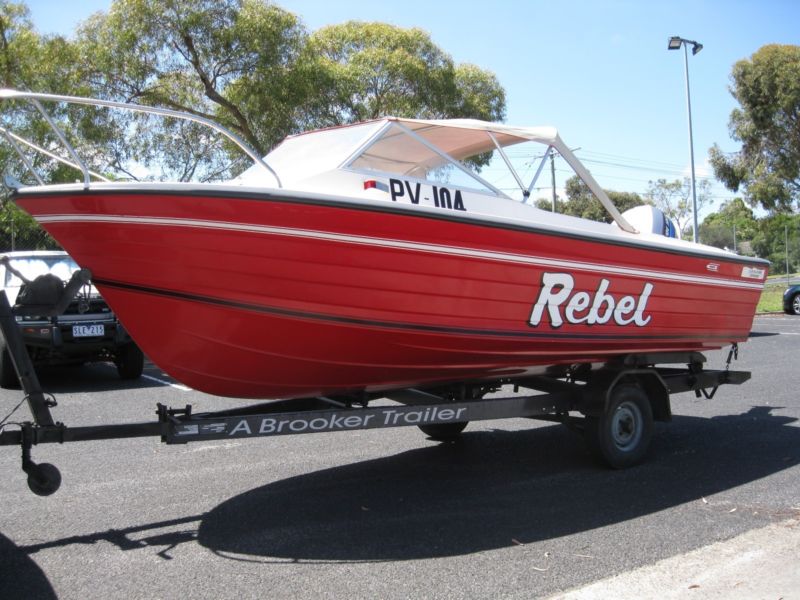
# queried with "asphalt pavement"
point(516, 509)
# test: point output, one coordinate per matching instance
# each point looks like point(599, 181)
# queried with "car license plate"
point(94, 330)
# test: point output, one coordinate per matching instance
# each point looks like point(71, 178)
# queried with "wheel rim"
point(796, 304)
point(626, 426)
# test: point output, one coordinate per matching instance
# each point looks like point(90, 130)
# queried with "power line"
point(607, 158)
point(607, 168)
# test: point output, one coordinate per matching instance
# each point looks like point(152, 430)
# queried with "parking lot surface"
point(516, 509)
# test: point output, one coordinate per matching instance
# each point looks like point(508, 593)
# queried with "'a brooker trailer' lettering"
point(340, 421)
point(561, 304)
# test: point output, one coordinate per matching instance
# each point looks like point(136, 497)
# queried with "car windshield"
point(31, 267)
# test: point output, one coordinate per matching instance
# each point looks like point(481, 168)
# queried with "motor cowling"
point(649, 219)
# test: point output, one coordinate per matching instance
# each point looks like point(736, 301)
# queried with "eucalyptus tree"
point(248, 65)
point(674, 199)
point(581, 202)
point(367, 70)
point(767, 123)
point(232, 61)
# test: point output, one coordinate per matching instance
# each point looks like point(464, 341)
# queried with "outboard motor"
point(649, 219)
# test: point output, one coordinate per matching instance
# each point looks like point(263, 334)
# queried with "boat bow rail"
point(36, 99)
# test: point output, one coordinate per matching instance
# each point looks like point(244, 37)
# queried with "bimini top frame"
point(450, 139)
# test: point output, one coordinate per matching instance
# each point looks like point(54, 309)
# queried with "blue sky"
point(598, 71)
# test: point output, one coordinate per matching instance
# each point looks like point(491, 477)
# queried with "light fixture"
point(674, 43)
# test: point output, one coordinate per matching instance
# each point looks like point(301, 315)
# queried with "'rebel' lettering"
point(559, 301)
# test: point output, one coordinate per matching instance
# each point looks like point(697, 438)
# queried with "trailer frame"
point(613, 404)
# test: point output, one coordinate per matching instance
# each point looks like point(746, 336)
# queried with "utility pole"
point(553, 176)
point(786, 242)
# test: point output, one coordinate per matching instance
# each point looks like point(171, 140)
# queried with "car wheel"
point(130, 361)
point(796, 304)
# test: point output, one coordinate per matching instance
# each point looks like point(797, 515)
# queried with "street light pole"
point(675, 43)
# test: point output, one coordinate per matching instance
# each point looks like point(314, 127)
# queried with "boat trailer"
point(613, 404)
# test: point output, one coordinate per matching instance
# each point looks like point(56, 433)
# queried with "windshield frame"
point(447, 160)
point(31, 267)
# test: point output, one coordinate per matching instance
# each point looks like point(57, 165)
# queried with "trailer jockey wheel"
point(43, 478)
point(444, 432)
point(621, 436)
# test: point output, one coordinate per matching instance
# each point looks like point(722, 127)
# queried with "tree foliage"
point(364, 71)
point(767, 168)
point(233, 61)
point(246, 64)
point(778, 238)
point(674, 198)
point(582, 203)
point(27, 61)
point(732, 224)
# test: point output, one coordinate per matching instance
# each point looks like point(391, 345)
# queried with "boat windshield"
point(399, 151)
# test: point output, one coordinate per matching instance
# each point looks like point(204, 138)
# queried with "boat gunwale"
point(284, 195)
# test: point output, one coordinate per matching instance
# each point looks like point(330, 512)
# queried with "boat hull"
point(268, 296)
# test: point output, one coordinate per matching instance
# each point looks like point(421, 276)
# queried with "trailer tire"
point(621, 436)
point(44, 479)
point(444, 432)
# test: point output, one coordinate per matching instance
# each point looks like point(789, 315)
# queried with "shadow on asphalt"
point(757, 334)
point(490, 490)
point(95, 377)
point(20, 576)
point(493, 490)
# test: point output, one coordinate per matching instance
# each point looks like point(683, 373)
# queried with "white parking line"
point(177, 386)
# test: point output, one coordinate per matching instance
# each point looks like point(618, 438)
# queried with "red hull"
point(273, 298)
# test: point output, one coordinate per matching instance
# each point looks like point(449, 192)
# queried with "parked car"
point(88, 331)
point(791, 300)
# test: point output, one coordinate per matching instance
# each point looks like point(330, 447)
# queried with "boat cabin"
point(427, 163)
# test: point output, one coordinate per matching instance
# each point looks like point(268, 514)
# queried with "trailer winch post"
point(37, 402)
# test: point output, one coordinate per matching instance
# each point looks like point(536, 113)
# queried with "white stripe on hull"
point(405, 245)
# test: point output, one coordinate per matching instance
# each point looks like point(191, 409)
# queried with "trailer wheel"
point(44, 479)
point(621, 436)
point(444, 432)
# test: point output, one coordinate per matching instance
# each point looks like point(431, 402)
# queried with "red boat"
point(372, 257)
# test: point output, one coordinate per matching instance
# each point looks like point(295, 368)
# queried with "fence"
point(18, 231)
point(775, 238)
